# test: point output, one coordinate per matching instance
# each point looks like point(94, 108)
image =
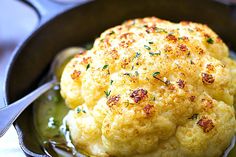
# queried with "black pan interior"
point(83, 24)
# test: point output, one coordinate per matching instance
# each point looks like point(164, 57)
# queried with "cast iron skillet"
point(79, 23)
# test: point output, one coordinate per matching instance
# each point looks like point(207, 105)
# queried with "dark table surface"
point(17, 21)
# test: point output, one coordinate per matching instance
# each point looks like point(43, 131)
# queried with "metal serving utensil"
point(10, 113)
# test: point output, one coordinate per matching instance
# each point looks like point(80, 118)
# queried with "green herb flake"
point(87, 67)
point(150, 42)
point(107, 93)
point(155, 53)
point(78, 110)
point(159, 30)
point(137, 55)
point(111, 82)
point(210, 40)
point(83, 111)
point(112, 32)
point(105, 66)
point(127, 74)
point(155, 74)
point(147, 47)
point(132, 68)
point(136, 73)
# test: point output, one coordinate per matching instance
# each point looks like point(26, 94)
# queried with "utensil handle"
point(47, 9)
point(9, 114)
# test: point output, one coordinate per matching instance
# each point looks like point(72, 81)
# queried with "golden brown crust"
point(153, 88)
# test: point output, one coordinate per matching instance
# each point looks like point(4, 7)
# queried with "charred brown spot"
point(208, 104)
point(170, 86)
point(126, 44)
point(150, 29)
point(113, 100)
point(138, 95)
point(207, 35)
point(207, 78)
point(86, 60)
point(210, 67)
point(199, 50)
point(125, 35)
point(198, 29)
point(184, 38)
point(107, 42)
point(167, 48)
point(181, 83)
point(75, 75)
point(183, 47)
point(125, 62)
point(114, 54)
point(218, 40)
point(192, 98)
point(206, 124)
point(171, 37)
point(147, 109)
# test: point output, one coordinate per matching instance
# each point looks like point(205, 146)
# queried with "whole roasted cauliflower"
point(152, 88)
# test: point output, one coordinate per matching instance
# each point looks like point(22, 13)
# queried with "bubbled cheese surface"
point(152, 88)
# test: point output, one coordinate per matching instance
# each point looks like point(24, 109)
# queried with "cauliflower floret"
point(152, 88)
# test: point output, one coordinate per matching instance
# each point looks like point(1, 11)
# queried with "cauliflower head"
point(152, 88)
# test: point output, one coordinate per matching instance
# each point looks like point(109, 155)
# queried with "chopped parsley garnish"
point(132, 67)
point(83, 111)
point(88, 66)
point(150, 42)
point(78, 110)
point(147, 47)
point(210, 40)
point(155, 74)
point(107, 93)
point(111, 82)
point(128, 74)
point(159, 30)
point(136, 73)
point(137, 55)
point(155, 53)
point(105, 66)
point(112, 32)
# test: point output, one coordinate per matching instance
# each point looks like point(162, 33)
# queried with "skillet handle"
point(47, 9)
